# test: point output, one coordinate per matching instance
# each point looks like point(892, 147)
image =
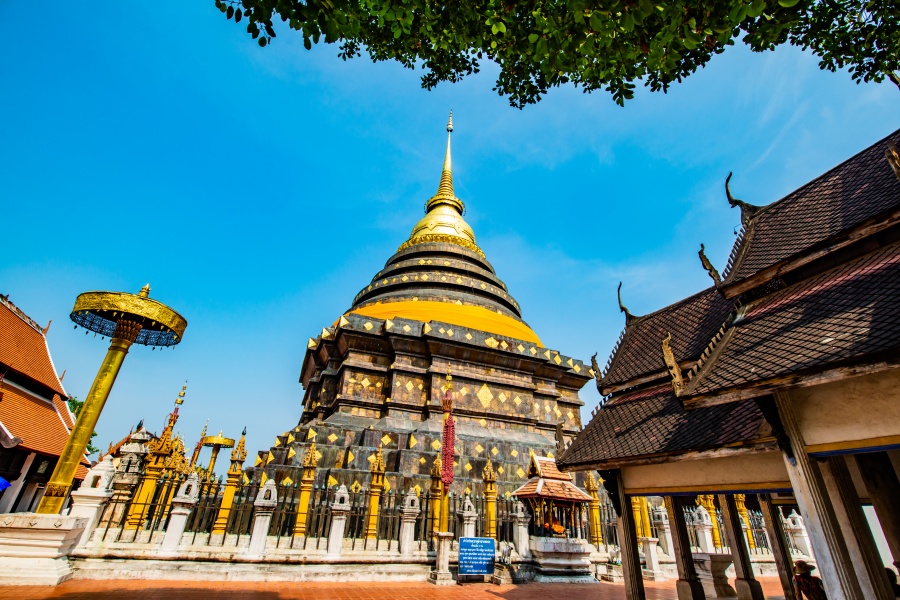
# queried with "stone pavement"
point(194, 590)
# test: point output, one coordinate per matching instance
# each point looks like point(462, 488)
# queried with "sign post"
point(476, 558)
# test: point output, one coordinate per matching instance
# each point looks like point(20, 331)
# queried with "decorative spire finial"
point(445, 194)
point(180, 399)
point(145, 291)
point(672, 365)
point(893, 158)
point(748, 211)
point(628, 316)
point(709, 266)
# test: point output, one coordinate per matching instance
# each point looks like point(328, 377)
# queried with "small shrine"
point(559, 523)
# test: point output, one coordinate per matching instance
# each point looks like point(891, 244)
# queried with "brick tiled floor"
point(194, 590)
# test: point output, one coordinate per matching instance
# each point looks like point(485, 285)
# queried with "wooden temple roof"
point(547, 481)
point(813, 284)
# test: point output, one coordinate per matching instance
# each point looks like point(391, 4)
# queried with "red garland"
point(449, 440)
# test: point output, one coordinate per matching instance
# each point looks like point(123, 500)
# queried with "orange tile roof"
point(552, 489)
point(36, 422)
point(23, 347)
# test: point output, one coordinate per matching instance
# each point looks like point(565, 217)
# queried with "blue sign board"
point(476, 556)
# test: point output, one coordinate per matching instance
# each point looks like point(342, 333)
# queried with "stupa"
point(375, 377)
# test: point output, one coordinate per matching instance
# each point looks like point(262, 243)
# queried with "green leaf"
point(532, 38)
point(788, 3)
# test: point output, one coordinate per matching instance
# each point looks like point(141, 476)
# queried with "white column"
point(340, 508)
point(264, 506)
point(182, 504)
point(91, 498)
point(520, 530)
point(408, 515)
point(469, 514)
point(441, 574)
point(651, 558)
point(796, 531)
point(703, 527)
point(662, 522)
point(12, 492)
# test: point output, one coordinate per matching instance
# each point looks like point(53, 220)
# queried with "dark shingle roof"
point(652, 421)
point(692, 322)
point(838, 316)
point(846, 196)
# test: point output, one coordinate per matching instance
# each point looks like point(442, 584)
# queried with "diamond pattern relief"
point(469, 336)
point(463, 391)
point(332, 437)
point(412, 441)
point(570, 414)
point(424, 277)
point(409, 386)
point(468, 467)
point(479, 449)
point(350, 456)
point(557, 411)
point(502, 397)
point(491, 342)
point(332, 481)
point(547, 408)
point(422, 460)
point(442, 331)
point(557, 359)
point(385, 439)
point(520, 472)
point(368, 325)
point(371, 458)
point(504, 345)
point(355, 487)
point(311, 435)
point(514, 453)
point(494, 451)
point(482, 422)
point(485, 395)
point(450, 332)
point(435, 445)
point(517, 400)
point(407, 329)
point(533, 350)
point(501, 470)
point(365, 382)
point(520, 348)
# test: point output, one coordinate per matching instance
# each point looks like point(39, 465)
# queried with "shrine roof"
point(539, 487)
point(857, 190)
point(35, 421)
point(23, 348)
point(638, 352)
point(651, 422)
point(847, 315)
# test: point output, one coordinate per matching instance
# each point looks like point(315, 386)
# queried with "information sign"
point(476, 556)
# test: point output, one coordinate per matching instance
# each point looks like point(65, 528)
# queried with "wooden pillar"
point(708, 502)
point(306, 485)
point(590, 484)
point(860, 544)
point(490, 500)
point(832, 558)
point(688, 585)
point(748, 588)
point(740, 501)
point(235, 472)
point(437, 495)
point(780, 550)
point(881, 482)
point(628, 543)
point(375, 490)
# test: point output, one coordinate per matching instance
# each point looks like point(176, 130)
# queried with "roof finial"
point(748, 211)
point(145, 291)
point(628, 315)
point(893, 158)
point(672, 365)
point(709, 266)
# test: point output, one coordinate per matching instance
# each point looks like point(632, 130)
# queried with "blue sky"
point(258, 190)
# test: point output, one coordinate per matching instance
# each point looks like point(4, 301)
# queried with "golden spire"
point(443, 221)
point(240, 452)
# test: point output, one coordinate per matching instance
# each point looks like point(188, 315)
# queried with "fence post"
point(306, 485)
point(375, 490)
point(490, 500)
point(340, 508)
point(89, 500)
point(520, 530)
point(661, 518)
point(408, 515)
point(704, 526)
point(182, 504)
point(707, 501)
point(231, 484)
point(263, 507)
point(593, 488)
point(437, 494)
point(739, 500)
point(468, 515)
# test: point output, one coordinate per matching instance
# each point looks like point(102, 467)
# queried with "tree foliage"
point(75, 406)
point(607, 44)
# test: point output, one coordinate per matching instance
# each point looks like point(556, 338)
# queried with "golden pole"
point(707, 501)
point(645, 517)
point(437, 495)
point(638, 521)
point(63, 474)
point(739, 500)
point(594, 507)
point(231, 484)
point(212, 459)
point(378, 468)
point(306, 486)
point(490, 499)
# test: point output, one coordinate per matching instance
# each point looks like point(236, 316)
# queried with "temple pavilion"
point(374, 377)
point(780, 380)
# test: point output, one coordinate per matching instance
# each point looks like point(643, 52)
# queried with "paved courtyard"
point(166, 590)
